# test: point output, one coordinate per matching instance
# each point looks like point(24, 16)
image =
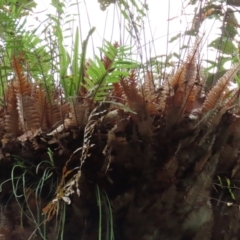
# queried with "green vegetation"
point(123, 144)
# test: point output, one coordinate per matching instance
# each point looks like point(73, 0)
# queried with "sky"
point(156, 26)
point(166, 19)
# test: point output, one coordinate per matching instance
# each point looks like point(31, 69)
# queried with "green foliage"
point(105, 3)
point(102, 76)
point(49, 60)
point(28, 181)
point(230, 30)
point(99, 203)
point(224, 45)
point(19, 41)
point(229, 187)
point(104, 204)
point(71, 85)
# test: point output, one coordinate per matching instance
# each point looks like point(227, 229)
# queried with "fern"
point(216, 95)
point(102, 74)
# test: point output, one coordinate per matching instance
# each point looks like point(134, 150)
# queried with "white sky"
point(156, 27)
point(104, 20)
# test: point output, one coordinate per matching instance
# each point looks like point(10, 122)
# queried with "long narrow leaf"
point(75, 65)
point(83, 57)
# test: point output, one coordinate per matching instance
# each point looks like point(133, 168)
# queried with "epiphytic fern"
point(102, 74)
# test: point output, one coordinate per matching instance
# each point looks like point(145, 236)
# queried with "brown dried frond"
point(132, 80)
point(41, 105)
point(11, 120)
point(186, 75)
point(28, 116)
point(53, 114)
point(187, 82)
point(65, 109)
point(216, 95)
point(107, 63)
point(22, 86)
point(137, 104)
point(191, 73)
point(180, 91)
point(177, 87)
point(149, 94)
point(52, 109)
point(164, 93)
point(173, 95)
point(129, 86)
point(191, 98)
point(148, 86)
point(118, 93)
point(192, 56)
point(232, 99)
point(134, 99)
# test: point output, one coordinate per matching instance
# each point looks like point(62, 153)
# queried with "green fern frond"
point(103, 73)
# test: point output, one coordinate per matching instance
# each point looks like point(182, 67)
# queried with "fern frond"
point(232, 99)
point(184, 79)
point(134, 99)
point(41, 105)
point(102, 74)
point(148, 86)
point(181, 91)
point(53, 115)
point(177, 87)
point(118, 93)
point(216, 95)
point(28, 116)
point(149, 94)
point(11, 120)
